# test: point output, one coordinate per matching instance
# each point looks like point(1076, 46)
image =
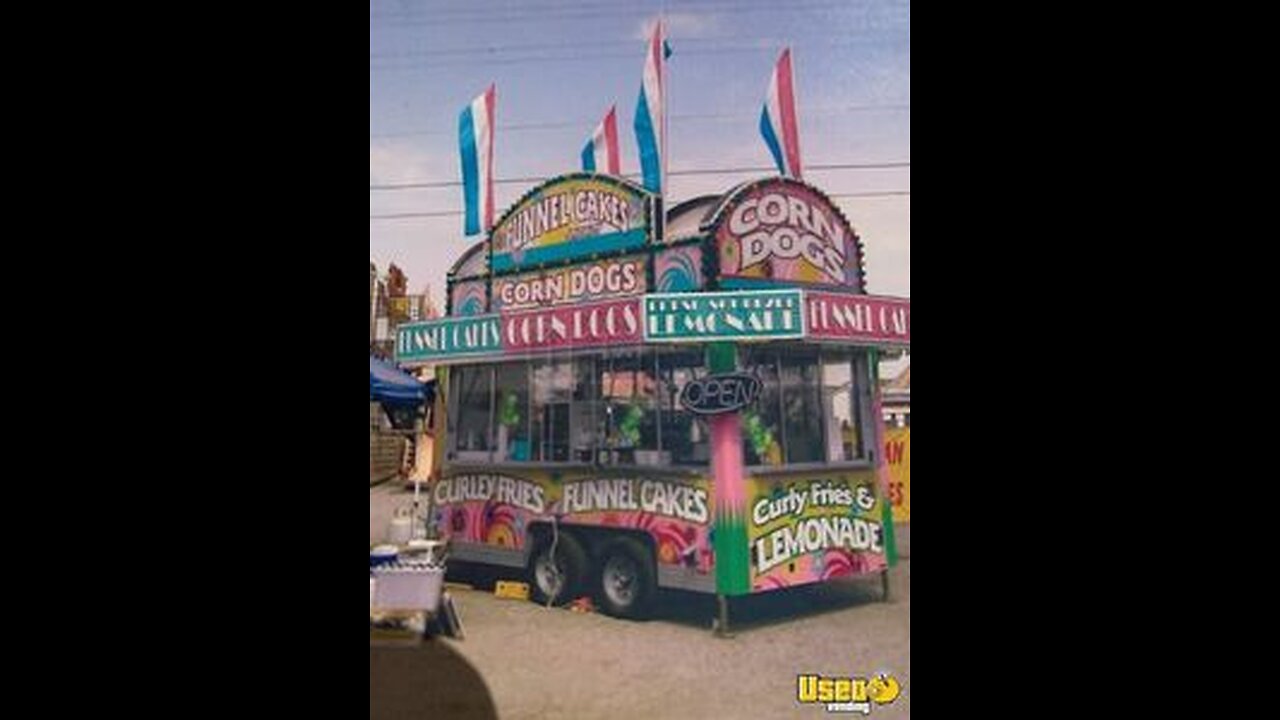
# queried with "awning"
point(391, 386)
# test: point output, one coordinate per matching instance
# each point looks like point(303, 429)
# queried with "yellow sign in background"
point(897, 453)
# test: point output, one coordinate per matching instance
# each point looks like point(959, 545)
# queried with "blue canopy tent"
point(393, 387)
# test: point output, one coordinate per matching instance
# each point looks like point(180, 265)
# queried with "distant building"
point(390, 306)
point(422, 307)
point(397, 282)
point(895, 399)
point(373, 297)
point(381, 329)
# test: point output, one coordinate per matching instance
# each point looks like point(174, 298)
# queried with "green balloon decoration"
point(509, 413)
point(629, 425)
point(758, 435)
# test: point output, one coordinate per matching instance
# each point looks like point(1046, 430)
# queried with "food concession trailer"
point(626, 405)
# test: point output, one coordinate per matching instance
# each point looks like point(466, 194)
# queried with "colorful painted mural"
point(814, 527)
point(468, 298)
point(678, 269)
point(496, 509)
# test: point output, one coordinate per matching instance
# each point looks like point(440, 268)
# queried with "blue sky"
point(559, 64)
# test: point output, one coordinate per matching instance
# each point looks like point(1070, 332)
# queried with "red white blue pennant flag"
point(475, 139)
point(778, 121)
point(601, 151)
point(649, 110)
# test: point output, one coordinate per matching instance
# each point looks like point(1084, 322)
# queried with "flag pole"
point(666, 100)
point(795, 103)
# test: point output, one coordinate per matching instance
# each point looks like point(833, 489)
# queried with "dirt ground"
point(552, 663)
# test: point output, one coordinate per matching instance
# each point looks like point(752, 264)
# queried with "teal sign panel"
point(742, 316)
point(448, 338)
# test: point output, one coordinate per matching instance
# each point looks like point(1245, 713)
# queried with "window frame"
point(595, 357)
point(862, 411)
point(454, 414)
point(860, 397)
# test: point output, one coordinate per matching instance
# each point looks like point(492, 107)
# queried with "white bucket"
point(401, 530)
point(408, 587)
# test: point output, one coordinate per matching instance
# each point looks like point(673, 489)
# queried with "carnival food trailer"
point(626, 404)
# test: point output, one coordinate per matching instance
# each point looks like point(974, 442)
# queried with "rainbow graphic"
point(818, 567)
point(498, 524)
point(678, 269)
point(676, 542)
point(469, 298)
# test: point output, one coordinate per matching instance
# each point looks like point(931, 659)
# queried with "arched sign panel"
point(571, 218)
point(473, 263)
point(783, 232)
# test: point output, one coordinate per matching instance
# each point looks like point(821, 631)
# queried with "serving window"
point(470, 430)
point(616, 407)
point(621, 408)
point(811, 407)
point(562, 411)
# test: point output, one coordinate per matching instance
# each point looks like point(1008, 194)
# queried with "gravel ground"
point(551, 663)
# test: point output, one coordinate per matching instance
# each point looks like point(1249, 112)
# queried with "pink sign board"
point(876, 320)
point(617, 322)
point(782, 231)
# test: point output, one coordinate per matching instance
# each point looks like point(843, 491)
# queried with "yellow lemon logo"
point(501, 535)
point(667, 553)
point(883, 688)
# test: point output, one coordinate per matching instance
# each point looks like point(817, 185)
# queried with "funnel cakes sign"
point(571, 218)
point(781, 231)
point(858, 318)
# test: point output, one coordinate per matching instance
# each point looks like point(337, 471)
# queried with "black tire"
point(570, 564)
point(625, 581)
point(478, 576)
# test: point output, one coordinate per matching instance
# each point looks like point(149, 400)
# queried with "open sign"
point(717, 394)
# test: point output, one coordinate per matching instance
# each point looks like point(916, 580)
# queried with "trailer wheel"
point(559, 578)
point(626, 581)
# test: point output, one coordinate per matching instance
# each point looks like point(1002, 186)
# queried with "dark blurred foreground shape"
point(425, 681)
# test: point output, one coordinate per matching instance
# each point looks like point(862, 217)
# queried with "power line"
point(458, 213)
point(442, 18)
point(491, 49)
point(400, 216)
point(469, 7)
point(837, 166)
point(762, 43)
point(534, 59)
point(453, 183)
point(673, 173)
point(695, 117)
